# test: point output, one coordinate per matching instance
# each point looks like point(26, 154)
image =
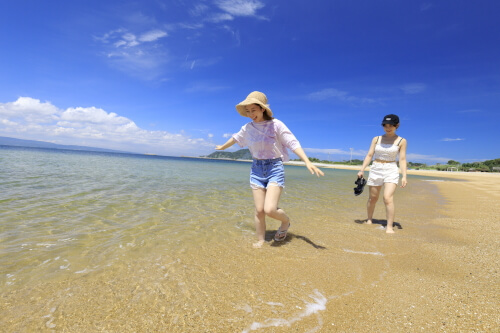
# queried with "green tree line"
point(485, 166)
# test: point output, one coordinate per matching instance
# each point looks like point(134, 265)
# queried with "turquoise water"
point(56, 203)
point(76, 226)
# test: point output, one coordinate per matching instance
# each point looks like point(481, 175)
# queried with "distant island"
point(242, 154)
point(5, 141)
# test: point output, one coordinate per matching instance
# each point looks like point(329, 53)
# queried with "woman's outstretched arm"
point(228, 144)
point(311, 167)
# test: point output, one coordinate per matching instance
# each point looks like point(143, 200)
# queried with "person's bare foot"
point(389, 231)
point(368, 222)
point(258, 244)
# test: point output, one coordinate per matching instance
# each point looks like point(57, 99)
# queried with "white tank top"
point(386, 152)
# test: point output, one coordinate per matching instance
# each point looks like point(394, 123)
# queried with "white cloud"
point(152, 35)
point(141, 63)
point(122, 38)
point(7, 122)
point(199, 10)
point(234, 33)
point(448, 139)
point(426, 158)
point(137, 54)
point(29, 118)
point(109, 35)
point(327, 94)
point(219, 17)
point(413, 88)
point(30, 109)
point(143, 54)
point(128, 40)
point(201, 62)
point(332, 93)
point(240, 7)
point(92, 115)
point(334, 151)
point(227, 135)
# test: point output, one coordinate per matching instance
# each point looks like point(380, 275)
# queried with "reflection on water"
point(96, 241)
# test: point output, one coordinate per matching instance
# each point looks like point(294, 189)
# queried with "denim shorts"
point(266, 173)
point(381, 173)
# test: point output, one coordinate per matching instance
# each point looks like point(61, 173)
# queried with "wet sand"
point(443, 273)
point(437, 273)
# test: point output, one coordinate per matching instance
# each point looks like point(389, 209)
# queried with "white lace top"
point(387, 152)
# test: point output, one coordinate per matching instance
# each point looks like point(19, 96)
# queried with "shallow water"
point(98, 241)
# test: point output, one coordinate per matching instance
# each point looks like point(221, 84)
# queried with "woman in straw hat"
point(384, 171)
point(267, 139)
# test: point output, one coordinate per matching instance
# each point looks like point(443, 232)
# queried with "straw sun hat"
point(255, 97)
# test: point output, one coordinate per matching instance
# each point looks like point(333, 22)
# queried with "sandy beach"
point(437, 273)
point(440, 272)
point(445, 283)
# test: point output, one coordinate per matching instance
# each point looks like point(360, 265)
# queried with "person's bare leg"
point(271, 206)
point(373, 195)
point(389, 189)
point(259, 197)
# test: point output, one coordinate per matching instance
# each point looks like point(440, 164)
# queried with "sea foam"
point(319, 304)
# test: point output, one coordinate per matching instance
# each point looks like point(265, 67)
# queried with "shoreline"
point(432, 173)
point(437, 273)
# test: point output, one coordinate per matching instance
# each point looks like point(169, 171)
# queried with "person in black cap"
point(384, 151)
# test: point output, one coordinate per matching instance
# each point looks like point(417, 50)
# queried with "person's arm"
point(311, 167)
point(402, 162)
point(288, 140)
point(228, 144)
point(368, 157)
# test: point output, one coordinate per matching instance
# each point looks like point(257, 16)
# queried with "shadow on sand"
point(380, 222)
point(289, 237)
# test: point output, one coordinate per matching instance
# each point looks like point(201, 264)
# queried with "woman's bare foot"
point(258, 244)
point(389, 231)
point(369, 221)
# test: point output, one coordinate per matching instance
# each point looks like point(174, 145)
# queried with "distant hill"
point(242, 154)
point(5, 141)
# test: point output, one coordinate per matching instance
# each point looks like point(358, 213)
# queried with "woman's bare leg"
point(259, 197)
point(271, 206)
point(372, 200)
point(389, 189)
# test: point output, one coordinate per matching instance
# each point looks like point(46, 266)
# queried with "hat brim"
point(249, 101)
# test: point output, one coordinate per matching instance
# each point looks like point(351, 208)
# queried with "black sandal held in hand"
point(361, 182)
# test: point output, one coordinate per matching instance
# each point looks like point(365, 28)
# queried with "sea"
point(93, 241)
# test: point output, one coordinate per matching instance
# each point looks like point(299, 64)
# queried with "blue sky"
point(163, 77)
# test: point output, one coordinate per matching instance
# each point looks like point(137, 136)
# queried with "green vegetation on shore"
point(242, 154)
point(485, 166)
point(317, 160)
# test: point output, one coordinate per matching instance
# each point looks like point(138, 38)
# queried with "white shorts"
point(381, 173)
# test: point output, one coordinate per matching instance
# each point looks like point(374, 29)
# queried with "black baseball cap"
point(391, 119)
